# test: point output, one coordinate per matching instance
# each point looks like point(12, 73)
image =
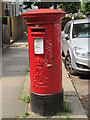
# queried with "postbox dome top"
point(42, 12)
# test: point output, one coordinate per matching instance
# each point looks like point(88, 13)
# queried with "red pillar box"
point(44, 40)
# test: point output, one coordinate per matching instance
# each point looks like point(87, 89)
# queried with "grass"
point(67, 116)
point(26, 99)
point(67, 108)
point(20, 98)
point(24, 116)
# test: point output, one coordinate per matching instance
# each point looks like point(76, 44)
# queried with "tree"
point(27, 4)
point(70, 7)
point(40, 4)
point(85, 8)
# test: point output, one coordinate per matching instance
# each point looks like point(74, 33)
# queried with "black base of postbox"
point(47, 105)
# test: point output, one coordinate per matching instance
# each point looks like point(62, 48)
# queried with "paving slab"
point(71, 97)
point(67, 84)
point(74, 103)
point(14, 65)
point(12, 108)
point(77, 109)
point(26, 87)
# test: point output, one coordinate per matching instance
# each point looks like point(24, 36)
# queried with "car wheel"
point(63, 55)
point(68, 65)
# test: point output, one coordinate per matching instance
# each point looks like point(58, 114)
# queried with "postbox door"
point(44, 56)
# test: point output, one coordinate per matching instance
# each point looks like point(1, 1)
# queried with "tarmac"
point(16, 85)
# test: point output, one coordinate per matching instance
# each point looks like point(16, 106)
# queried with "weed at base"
point(24, 116)
point(58, 114)
point(67, 108)
point(26, 99)
point(67, 116)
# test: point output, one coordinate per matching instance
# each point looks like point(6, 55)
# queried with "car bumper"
point(80, 64)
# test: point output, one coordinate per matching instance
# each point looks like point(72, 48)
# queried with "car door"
point(66, 38)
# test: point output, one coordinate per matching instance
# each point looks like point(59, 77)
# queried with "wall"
point(0, 33)
point(6, 37)
point(3, 11)
point(6, 32)
point(0, 8)
point(18, 28)
point(0, 25)
point(17, 8)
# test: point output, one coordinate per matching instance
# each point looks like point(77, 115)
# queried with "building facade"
point(10, 8)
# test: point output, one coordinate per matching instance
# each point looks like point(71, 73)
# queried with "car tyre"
point(63, 55)
point(68, 65)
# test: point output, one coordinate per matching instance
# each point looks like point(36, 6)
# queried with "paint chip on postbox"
point(38, 46)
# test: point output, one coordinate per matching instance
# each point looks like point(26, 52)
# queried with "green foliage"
point(83, 5)
point(46, 4)
point(26, 114)
point(67, 117)
point(79, 16)
point(70, 7)
point(85, 8)
point(26, 99)
point(67, 108)
point(58, 114)
point(40, 4)
point(88, 8)
point(27, 4)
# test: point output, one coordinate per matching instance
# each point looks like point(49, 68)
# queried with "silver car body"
point(81, 44)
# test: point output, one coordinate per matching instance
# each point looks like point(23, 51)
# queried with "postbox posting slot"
point(38, 30)
point(35, 30)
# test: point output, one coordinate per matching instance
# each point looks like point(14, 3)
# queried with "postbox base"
point(47, 105)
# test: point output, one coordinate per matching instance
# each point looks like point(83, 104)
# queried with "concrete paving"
point(67, 84)
point(82, 85)
point(14, 65)
point(71, 96)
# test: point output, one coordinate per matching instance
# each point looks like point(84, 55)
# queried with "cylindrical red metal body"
point(44, 38)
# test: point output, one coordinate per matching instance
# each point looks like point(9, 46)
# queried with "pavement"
point(84, 91)
point(14, 65)
point(72, 100)
point(16, 85)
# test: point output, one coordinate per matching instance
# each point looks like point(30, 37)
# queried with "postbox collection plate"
point(38, 46)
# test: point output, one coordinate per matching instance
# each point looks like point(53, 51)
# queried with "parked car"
point(76, 45)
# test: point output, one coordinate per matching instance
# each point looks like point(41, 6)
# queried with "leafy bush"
point(79, 16)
